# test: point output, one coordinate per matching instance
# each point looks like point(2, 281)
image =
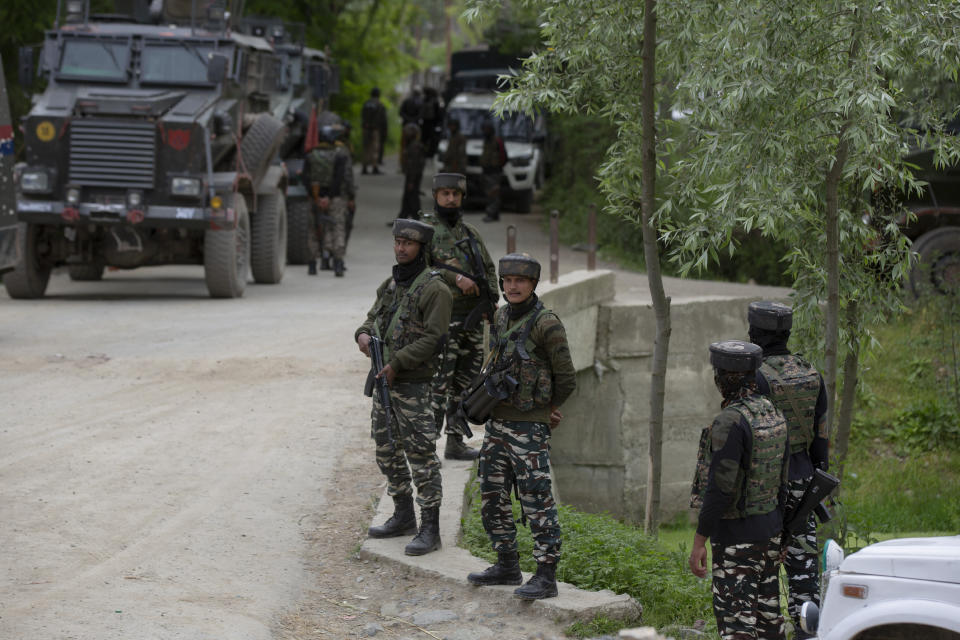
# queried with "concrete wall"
point(599, 452)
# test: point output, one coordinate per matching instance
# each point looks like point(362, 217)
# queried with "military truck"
point(152, 144)
point(8, 214)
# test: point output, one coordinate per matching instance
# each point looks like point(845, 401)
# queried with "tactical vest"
point(532, 372)
point(398, 324)
point(444, 247)
point(756, 491)
point(794, 388)
point(328, 169)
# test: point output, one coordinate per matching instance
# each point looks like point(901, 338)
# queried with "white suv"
point(903, 589)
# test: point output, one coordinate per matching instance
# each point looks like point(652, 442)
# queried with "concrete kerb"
point(453, 563)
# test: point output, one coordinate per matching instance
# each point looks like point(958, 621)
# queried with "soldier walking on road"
point(530, 362)
point(740, 487)
point(334, 193)
point(492, 159)
point(412, 165)
point(797, 389)
point(410, 315)
point(455, 157)
point(373, 117)
point(452, 251)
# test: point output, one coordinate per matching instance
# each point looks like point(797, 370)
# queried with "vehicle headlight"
point(186, 187)
point(832, 556)
point(35, 181)
point(522, 161)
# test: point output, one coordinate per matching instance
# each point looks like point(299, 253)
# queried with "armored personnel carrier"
point(153, 143)
point(8, 217)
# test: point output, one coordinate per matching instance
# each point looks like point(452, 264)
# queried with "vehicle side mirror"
point(319, 85)
point(25, 68)
point(216, 68)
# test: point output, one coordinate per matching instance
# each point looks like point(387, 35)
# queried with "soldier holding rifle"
point(409, 318)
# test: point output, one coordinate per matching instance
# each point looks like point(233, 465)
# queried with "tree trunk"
point(832, 323)
point(850, 367)
point(651, 253)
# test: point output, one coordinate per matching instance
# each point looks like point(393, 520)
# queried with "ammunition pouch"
point(479, 402)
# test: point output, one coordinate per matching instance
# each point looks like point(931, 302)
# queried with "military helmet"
point(413, 230)
point(772, 316)
point(450, 181)
point(519, 264)
point(735, 355)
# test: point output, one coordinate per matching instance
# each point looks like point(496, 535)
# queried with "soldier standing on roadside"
point(453, 243)
point(740, 487)
point(411, 315)
point(492, 159)
point(799, 392)
point(333, 192)
point(530, 345)
point(373, 116)
point(455, 157)
point(412, 160)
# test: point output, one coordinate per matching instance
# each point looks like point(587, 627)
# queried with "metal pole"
point(554, 246)
point(592, 238)
point(511, 238)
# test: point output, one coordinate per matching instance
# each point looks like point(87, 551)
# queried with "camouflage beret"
point(450, 181)
point(412, 230)
point(519, 264)
point(735, 355)
point(772, 316)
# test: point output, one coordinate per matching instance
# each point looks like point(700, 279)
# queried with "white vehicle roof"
point(936, 559)
point(480, 100)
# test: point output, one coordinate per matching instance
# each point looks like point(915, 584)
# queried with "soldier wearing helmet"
point(532, 358)
point(740, 488)
point(333, 191)
point(410, 316)
point(799, 392)
point(459, 252)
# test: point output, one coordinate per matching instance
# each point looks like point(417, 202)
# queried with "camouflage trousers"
point(334, 224)
point(491, 188)
point(371, 147)
point(460, 363)
point(412, 456)
point(746, 590)
point(802, 560)
point(518, 452)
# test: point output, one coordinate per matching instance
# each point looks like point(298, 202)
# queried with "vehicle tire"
point(937, 270)
point(302, 244)
point(260, 144)
point(31, 274)
point(86, 272)
point(524, 201)
point(226, 255)
point(268, 247)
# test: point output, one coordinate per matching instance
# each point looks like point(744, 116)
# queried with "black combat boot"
point(312, 268)
point(338, 267)
point(455, 449)
point(542, 585)
point(506, 571)
point(428, 539)
point(403, 522)
point(325, 263)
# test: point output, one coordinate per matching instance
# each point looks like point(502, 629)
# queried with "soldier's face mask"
point(733, 383)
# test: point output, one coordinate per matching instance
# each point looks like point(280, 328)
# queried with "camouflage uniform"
point(332, 169)
point(462, 357)
point(411, 317)
point(455, 157)
point(492, 159)
point(516, 444)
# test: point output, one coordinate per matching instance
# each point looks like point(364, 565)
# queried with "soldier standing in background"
point(333, 192)
point(740, 487)
point(373, 118)
point(797, 389)
point(412, 161)
point(492, 159)
point(455, 157)
point(410, 315)
point(453, 243)
point(529, 344)
point(432, 118)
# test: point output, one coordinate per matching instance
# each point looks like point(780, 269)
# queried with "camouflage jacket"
point(444, 250)
point(546, 378)
point(794, 387)
point(331, 167)
point(412, 320)
point(455, 157)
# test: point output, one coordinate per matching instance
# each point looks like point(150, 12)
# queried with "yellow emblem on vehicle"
point(46, 131)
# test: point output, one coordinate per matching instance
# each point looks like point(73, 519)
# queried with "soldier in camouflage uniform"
point(463, 354)
point(492, 159)
point(411, 314)
point(799, 392)
point(333, 191)
point(530, 344)
point(740, 487)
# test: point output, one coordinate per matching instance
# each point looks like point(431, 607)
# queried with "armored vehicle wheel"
point(938, 269)
point(31, 274)
point(226, 255)
point(302, 245)
point(86, 272)
point(260, 144)
point(268, 252)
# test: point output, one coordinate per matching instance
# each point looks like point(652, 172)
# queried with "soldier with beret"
point(410, 315)
point(797, 389)
point(531, 369)
point(740, 487)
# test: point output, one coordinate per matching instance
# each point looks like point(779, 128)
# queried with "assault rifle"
point(476, 271)
point(383, 387)
point(821, 486)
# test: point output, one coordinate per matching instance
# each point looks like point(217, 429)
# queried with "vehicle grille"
point(112, 153)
